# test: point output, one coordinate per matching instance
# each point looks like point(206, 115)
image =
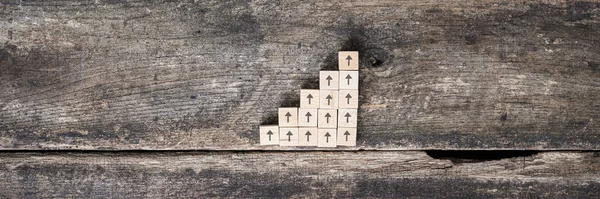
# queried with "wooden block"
point(327, 118)
point(346, 136)
point(348, 60)
point(309, 98)
point(288, 136)
point(347, 117)
point(307, 117)
point(288, 117)
point(329, 80)
point(348, 99)
point(307, 136)
point(348, 80)
point(328, 99)
point(327, 137)
point(269, 135)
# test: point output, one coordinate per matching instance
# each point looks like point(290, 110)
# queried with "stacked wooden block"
point(327, 117)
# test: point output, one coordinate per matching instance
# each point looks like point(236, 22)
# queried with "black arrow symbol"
point(288, 115)
point(309, 98)
point(348, 97)
point(289, 134)
point(347, 134)
point(308, 134)
point(348, 58)
point(347, 117)
point(327, 116)
point(327, 137)
point(270, 133)
point(348, 78)
point(329, 99)
point(329, 80)
point(308, 116)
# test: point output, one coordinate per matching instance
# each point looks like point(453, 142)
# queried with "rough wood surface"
point(204, 74)
point(296, 175)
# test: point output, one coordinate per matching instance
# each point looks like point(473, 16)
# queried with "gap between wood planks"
point(455, 156)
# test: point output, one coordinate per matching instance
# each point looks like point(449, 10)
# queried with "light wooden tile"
point(309, 98)
point(288, 136)
point(307, 117)
point(269, 135)
point(346, 136)
point(347, 117)
point(288, 117)
point(348, 60)
point(307, 136)
point(349, 80)
point(328, 99)
point(327, 118)
point(327, 137)
point(348, 99)
point(329, 80)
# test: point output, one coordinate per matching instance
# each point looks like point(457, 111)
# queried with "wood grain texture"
point(296, 175)
point(204, 75)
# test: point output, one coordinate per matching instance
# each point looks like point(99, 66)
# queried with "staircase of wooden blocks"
point(327, 117)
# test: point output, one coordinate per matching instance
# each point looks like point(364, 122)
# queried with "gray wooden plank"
point(204, 75)
point(365, 174)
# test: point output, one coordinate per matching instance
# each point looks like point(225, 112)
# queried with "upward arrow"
point(308, 134)
point(348, 97)
point(308, 116)
point(327, 116)
point(289, 134)
point(329, 99)
point(347, 116)
point(349, 59)
point(348, 78)
point(309, 98)
point(329, 80)
point(270, 133)
point(327, 135)
point(288, 115)
point(347, 134)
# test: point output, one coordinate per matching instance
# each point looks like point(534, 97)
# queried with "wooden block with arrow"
point(328, 99)
point(348, 99)
point(309, 98)
point(347, 117)
point(346, 136)
point(269, 135)
point(348, 80)
point(327, 118)
point(329, 80)
point(307, 117)
point(307, 136)
point(327, 137)
point(348, 60)
point(288, 117)
point(288, 136)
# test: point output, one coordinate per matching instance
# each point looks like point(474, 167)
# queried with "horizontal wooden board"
point(205, 74)
point(364, 174)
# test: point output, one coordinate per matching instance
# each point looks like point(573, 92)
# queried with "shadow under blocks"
point(327, 117)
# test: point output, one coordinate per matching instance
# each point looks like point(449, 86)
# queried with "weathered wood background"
point(206, 74)
point(158, 76)
point(296, 175)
